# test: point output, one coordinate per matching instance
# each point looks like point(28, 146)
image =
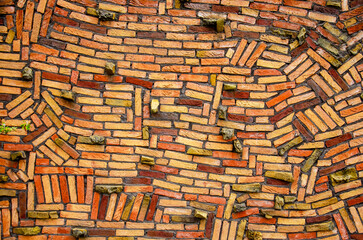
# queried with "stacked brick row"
point(200, 119)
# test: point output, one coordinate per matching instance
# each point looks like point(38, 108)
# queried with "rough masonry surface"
point(181, 119)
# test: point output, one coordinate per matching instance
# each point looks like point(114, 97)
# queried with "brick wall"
point(181, 119)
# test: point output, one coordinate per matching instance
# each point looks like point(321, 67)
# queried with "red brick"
point(337, 140)
point(171, 146)
point(311, 235)
point(168, 193)
point(248, 212)
point(139, 82)
point(210, 199)
point(190, 234)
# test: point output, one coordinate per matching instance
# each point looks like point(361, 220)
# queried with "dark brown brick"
point(151, 174)
point(318, 219)
point(189, 102)
point(318, 90)
point(297, 51)
point(306, 104)
point(201, 29)
point(281, 115)
point(239, 118)
point(230, 9)
point(155, 233)
point(303, 130)
point(34, 134)
point(89, 84)
point(152, 35)
point(249, 35)
point(139, 82)
point(75, 114)
point(101, 232)
point(55, 77)
point(209, 225)
point(103, 207)
point(338, 79)
point(334, 168)
point(210, 169)
point(337, 140)
point(93, 28)
point(140, 180)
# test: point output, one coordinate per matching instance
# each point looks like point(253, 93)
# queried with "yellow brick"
point(167, 185)
point(222, 178)
point(180, 180)
point(112, 7)
point(168, 108)
point(180, 164)
point(238, 171)
point(79, 49)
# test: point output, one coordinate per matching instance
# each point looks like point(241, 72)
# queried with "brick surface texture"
point(181, 119)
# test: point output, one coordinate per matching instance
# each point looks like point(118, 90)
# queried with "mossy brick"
point(7, 193)
point(108, 189)
point(15, 156)
point(27, 231)
point(284, 32)
point(94, 139)
point(227, 133)
point(289, 199)
point(53, 214)
point(237, 146)
point(297, 206)
point(178, 4)
point(105, 15)
point(92, 11)
point(355, 50)
point(200, 214)
point(42, 214)
point(328, 46)
point(229, 86)
point(199, 151)
point(222, 112)
point(3, 178)
point(145, 133)
point(79, 232)
point(334, 3)
point(343, 176)
point(301, 35)
point(147, 160)
point(312, 159)
point(27, 73)
point(184, 219)
point(38, 214)
point(279, 202)
point(239, 207)
point(10, 37)
point(154, 106)
point(254, 235)
point(285, 176)
point(251, 187)
point(69, 95)
point(324, 226)
point(294, 142)
point(220, 25)
point(110, 68)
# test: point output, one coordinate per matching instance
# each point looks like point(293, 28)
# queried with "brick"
point(164, 52)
